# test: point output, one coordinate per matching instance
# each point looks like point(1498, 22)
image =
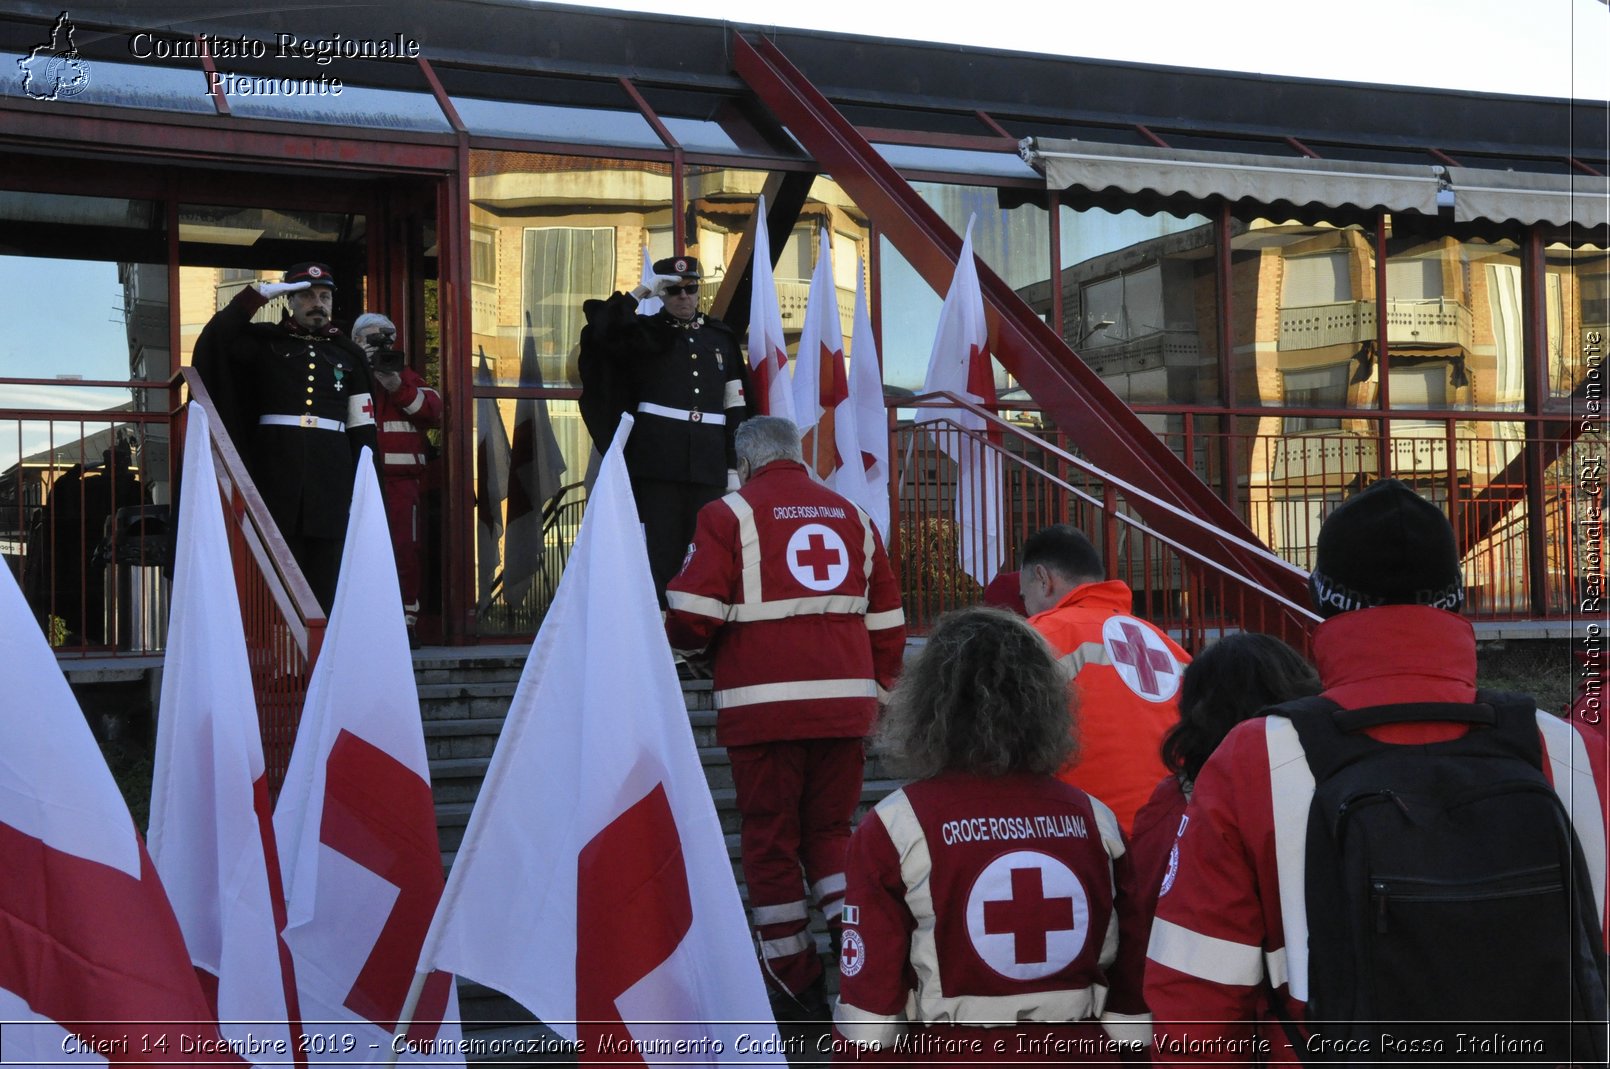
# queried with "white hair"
point(368, 320)
point(759, 440)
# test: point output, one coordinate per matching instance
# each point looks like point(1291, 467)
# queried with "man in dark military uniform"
point(683, 377)
point(295, 396)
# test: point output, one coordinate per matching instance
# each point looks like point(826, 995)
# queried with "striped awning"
point(1470, 193)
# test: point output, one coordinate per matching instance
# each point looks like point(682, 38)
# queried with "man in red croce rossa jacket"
point(787, 587)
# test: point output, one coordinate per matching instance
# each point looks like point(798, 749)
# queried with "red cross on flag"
point(211, 834)
point(355, 821)
point(593, 885)
point(960, 365)
point(91, 957)
point(768, 348)
point(821, 387)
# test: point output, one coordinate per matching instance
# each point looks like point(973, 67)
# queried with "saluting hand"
point(271, 290)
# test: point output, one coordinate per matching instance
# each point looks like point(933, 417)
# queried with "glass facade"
point(1289, 355)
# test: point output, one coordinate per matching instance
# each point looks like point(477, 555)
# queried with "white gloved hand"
point(390, 381)
point(270, 290)
point(660, 282)
point(732, 479)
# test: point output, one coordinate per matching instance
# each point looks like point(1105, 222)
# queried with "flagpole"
point(405, 1019)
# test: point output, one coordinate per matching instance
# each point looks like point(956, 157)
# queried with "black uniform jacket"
point(627, 361)
point(271, 369)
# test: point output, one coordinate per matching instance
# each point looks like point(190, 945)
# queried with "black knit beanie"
point(1386, 546)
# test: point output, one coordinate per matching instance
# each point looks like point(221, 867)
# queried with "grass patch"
point(130, 761)
point(1542, 668)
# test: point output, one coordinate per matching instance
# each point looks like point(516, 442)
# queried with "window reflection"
point(1304, 317)
point(1577, 284)
point(1453, 324)
point(550, 232)
point(1139, 300)
point(1304, 338)
point(1013, 242)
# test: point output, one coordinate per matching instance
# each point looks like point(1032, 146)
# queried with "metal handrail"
point(290, 588)
point(1218, 534)
point(283, 621)
point(1304, 614)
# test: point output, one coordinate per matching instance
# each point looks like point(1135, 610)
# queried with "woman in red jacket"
point(989, 913)
point(1230, 681)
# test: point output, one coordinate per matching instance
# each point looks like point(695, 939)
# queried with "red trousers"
point(402, 516)
point(796, 800)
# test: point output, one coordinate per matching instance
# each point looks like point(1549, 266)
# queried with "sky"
point(1554, 48)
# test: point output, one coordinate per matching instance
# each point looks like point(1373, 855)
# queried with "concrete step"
point(464, 703)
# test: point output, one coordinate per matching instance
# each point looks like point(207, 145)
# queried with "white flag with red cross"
point(821, 386)
point(960, 365)
point(93, 967)
point(212, 836)
point(871, 417)
point(356, 822)
point(593, 883)
point(768, 349)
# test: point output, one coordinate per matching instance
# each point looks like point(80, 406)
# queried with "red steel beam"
point(1103, 425)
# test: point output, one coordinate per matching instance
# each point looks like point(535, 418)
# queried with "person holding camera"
point(296, 398)
point(405, 408)
point(683, 376)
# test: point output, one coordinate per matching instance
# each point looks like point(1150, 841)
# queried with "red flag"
point(91, 956)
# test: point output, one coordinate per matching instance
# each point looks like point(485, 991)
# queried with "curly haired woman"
point(989, 911)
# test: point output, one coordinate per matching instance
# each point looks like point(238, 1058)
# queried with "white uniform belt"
point(652, 409)
point(316, 422)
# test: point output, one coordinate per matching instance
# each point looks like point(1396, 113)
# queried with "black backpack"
point(1449, 908)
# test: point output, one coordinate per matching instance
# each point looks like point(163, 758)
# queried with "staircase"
point(464, 696)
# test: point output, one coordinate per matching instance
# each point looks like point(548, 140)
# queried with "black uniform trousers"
point(668, 511)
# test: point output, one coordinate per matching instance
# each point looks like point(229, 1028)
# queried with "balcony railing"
point(1408, 322)
point(1287, 485)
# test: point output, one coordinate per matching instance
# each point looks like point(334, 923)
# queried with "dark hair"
point(1231, 680)
point(984, 696)
point(1064, 549)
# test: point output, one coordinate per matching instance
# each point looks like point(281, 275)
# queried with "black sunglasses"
point(676, 291)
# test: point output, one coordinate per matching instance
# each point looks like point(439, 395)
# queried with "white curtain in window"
point(562, 267)
point(1414, 279)
point(1311, 280)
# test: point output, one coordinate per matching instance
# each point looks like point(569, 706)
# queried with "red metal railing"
point(284, 622)
point(1177, 584)
point(1291, 481)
